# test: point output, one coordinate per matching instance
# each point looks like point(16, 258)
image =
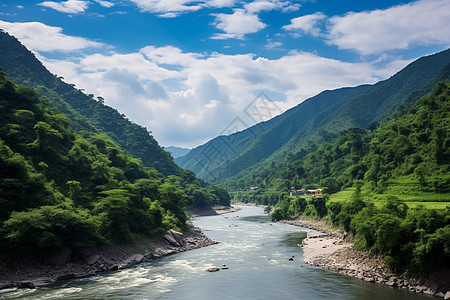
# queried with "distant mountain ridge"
point(177, 151)
point(86, 113)
point(319, 118)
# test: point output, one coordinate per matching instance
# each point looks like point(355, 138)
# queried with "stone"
point(447, 295)
point(169, 237)
point(6, 285)
point(25, 285)
point(92, 259)
point(42, 281)
point(60, 259)
point(419, 289)
point(65, 276)
point(178, 236)
point(134, 259)
point(213, 269)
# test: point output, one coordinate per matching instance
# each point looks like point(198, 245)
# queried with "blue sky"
point(186, 69)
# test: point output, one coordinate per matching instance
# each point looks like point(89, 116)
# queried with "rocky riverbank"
point(327, 248)
point(92, 261)
point(216, 210)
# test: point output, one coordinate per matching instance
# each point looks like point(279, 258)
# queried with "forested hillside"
point(86, 113)
point(399, 201)
point(258, 149)
point(61, 188)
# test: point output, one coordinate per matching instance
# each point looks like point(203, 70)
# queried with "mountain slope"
point(177, 151)
point(243, 149)
point(86, 113)
point(317, 119)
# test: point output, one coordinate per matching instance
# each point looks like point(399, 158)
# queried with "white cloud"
point(188, 98)
point(106, 4)
point(291, 8)
point(168, 6)
point(307, 24)
point(169, 15)
point(220, 3)
point(70, 6)
point(399, 27)
point(237, 25)
point(273, 45)
point(173, 8)
point(268, 5)
point(40, 37)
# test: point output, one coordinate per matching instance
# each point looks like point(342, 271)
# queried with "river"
point(256, 252)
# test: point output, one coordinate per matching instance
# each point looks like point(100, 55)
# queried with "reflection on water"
point(255, 250)
point(259, 219)
point(294, 239)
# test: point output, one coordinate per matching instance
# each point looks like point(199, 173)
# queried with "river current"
point(256, 252)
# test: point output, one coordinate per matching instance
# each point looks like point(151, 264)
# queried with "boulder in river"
point(213, 269)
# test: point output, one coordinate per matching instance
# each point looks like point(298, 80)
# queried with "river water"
point(256, 252)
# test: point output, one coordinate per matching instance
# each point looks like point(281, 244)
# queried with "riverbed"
point(255, 252)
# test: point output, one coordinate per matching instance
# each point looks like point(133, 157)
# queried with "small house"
point(297, 192)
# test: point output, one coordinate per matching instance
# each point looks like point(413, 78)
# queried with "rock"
point(213, 269)
point(25, 285)
point(43, 281)
point(439, 294)
point(60, 259)
point(392, 283)
point(169, 237)
point(134, 259)
point(178, 236)
point(6, 285)
point(224, 267)
point(65, 276)
point(447, 295)
point(114, 267)
point(92, 259)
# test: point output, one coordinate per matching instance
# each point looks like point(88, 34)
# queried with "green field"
point(412, 197)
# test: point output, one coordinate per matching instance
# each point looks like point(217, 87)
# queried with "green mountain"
point(256, 150)
point(86, 113)
point(65, 183)
point(59, 188)
point(177, 151)
point(399, 201)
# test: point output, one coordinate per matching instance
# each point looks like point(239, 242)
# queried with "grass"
point(343, 195)
point(413, 197)
point(429, 205)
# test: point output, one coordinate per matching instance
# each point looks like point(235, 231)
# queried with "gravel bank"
point(326, 248)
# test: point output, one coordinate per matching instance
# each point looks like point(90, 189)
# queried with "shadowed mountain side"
point(319, 118)
point(86, 113)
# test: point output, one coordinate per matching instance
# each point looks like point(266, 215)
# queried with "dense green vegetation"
point(60, 188)
point(258, 149)
point(86, 112)
point(380, 172)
